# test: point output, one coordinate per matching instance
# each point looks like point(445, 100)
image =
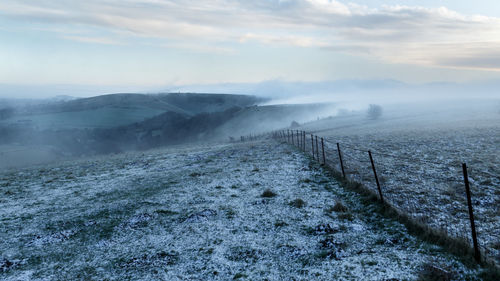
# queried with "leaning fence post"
point(323, 149)
point(376, 177)
point(477, 254)
point(341, 162)
point(317, 149)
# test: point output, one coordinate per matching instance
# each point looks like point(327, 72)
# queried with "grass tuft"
point(268, 194)
point(297, 203)
point(339, 208)
point(280, 223)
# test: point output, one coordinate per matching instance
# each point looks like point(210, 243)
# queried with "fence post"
point(312, 144)
point(376, 177)
point(477, 254)
point(304, 140)
point(323, 149)
point(301, 140)
point(300, 137)
point(341, 162)
point(317, 148)
point(298, 142)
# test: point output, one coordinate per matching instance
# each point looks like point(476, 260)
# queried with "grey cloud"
point(393, 34)
point(480, 61)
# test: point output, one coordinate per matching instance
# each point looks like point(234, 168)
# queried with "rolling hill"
point(115, 110)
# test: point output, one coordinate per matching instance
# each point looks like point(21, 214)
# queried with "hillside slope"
point(263, 119)
point(197, 213)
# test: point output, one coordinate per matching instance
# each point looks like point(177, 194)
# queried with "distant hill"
point(114, 110)
point(122, 122)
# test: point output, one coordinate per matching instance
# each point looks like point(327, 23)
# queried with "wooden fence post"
point(317, 148)
point(376, 177)
point(298, 142)
point(299, 135)
point(301, 140)
point(341, 162)
point(304, 140)
point(323, 149)
point(312, 144)
point(477, 254)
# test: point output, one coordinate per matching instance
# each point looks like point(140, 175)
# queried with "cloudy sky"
point(156, 43)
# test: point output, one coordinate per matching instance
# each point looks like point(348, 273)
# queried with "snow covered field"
point(249, 211)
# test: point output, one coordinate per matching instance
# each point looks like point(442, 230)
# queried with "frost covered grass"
point(419, 166)
point(200, 213)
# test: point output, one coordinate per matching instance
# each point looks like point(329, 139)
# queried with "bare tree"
point(374, 111)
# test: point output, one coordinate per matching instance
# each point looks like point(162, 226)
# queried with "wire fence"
point(252, 137)
point(437, 194)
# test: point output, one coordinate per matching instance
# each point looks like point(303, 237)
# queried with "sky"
point(155, 44)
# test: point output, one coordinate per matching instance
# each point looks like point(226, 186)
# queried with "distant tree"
point(374, 111)
point(294, 124)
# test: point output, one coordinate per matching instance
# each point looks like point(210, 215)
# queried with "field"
point(418, 159)
point(247, 211)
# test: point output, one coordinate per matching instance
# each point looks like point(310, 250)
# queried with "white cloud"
point(330, 6)
point(198, 48)
point(396, 34)
point(299, 41)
